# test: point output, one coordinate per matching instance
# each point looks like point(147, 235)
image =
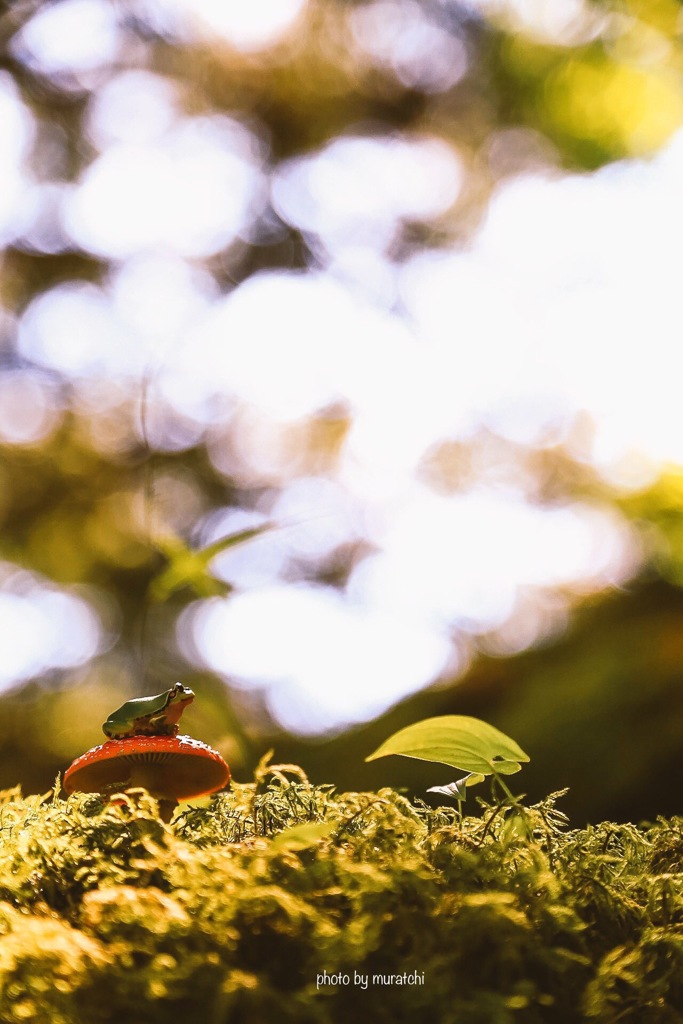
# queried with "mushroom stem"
point(146, 776)
point(166, 809)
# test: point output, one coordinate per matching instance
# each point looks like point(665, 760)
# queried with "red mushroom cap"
point(170, 767)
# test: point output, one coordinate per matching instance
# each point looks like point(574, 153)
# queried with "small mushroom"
point(171, 768)
point(144, 750)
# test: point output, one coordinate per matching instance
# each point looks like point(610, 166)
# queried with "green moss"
point(234, 911)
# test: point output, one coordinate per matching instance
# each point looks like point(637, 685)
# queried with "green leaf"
point(505, 767)
point(458, 741)
point(188, 568)
point(299, 837)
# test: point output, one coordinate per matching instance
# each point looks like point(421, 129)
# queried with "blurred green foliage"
point(186, 568)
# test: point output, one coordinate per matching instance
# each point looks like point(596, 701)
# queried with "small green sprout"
point(458, 741)
point(458, 790)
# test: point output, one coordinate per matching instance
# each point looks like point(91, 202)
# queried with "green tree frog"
point(149, 716)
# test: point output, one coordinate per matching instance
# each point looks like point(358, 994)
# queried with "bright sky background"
point(569, 281)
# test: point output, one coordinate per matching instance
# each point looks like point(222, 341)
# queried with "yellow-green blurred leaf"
point(188, 568)
point(299, 837)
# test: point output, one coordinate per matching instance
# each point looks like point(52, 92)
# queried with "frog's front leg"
point(156, 725)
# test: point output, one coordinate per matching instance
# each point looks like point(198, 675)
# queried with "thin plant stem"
point(147, 512)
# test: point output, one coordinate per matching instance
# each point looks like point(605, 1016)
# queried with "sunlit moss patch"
point(241, 911)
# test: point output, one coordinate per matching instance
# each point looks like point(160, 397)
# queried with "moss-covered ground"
point(243, 910)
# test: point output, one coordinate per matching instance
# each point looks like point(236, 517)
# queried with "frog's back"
point(140, 707)
point(122, 721)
